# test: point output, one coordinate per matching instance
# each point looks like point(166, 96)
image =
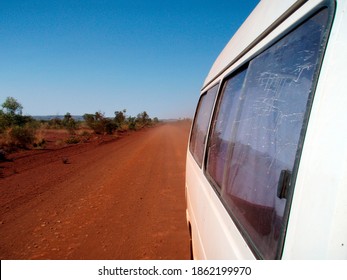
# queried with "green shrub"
point(55, 123)
point(21, 137)
point(69, 123)
point(99, 123)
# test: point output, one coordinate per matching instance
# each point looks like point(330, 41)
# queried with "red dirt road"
point(118, 200)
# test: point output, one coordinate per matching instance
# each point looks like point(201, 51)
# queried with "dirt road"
point(119, 200)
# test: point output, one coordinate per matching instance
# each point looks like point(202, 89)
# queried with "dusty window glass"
point(255, 137)
point(219, 148)
point(200, 126)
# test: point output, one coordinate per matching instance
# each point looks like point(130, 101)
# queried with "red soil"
point(107, 198)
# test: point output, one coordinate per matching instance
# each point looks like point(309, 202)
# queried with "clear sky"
point(83, 56)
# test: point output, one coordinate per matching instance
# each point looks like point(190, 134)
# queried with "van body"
point(266, 170)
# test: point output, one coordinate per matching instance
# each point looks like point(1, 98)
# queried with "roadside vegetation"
point(25, 132)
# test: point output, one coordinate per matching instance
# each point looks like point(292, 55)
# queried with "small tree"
point(131, 122)
point(120, 117)
point(89, 119)
point(69, 123)
point(143, 119)
point(12, 114)
point(99, 123)
point(17, 130)
point(12, 106)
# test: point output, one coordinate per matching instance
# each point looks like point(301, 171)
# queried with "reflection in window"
point(200, 126)
point(256, 132)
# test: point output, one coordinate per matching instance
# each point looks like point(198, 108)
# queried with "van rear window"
point(257, 130)
point(201, 123)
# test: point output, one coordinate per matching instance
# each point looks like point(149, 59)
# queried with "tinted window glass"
point(201, 122)
point(255, 136)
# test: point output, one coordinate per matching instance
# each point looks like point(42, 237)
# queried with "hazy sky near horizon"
point(60, 56)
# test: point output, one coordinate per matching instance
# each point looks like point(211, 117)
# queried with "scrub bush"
point(21, 137)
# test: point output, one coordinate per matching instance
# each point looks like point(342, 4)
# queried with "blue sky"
point(59, 56)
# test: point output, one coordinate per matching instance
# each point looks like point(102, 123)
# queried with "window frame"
point(223, 84)
point(217, 85)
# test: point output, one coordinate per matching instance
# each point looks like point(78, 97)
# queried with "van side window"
point(257, 133)
point(201, 122)
point(220, 150)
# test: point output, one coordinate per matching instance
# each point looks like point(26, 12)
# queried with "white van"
point(266, 173)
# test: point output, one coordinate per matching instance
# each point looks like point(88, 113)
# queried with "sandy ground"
point(115, 199)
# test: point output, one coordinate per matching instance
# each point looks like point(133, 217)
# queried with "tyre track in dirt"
point(120, 200)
